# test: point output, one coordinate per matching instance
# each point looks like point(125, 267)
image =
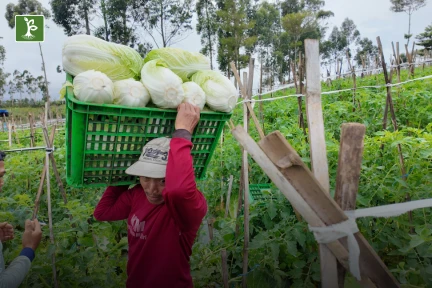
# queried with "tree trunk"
point(46, 80)
point(162, 26)
point(209, 37)
point(86, 18)
point(105, 19)
point(409, 25)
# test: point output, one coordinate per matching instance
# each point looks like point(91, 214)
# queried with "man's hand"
point(187, 117)
point(6, 232)
point(32, 234)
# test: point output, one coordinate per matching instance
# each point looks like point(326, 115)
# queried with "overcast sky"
point(372, 17)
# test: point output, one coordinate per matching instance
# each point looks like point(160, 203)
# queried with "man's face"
point(153, 188)
point(2, 172)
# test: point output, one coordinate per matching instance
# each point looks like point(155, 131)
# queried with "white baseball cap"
point(153, 160)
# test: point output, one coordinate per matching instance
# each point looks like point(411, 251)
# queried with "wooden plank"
point(315, 115)
point(318, 150)
point(348, 174)
point(290, 192)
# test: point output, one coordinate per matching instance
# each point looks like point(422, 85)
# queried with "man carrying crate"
point(163, 212)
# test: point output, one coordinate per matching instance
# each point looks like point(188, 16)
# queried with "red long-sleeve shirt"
point(160, 236)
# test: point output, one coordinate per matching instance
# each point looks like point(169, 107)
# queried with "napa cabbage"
point(93, 87)
point(194, 94)
point(181, 62)
point(84, 52)
point(131, 93)
point(164, 86)
point(221, 94)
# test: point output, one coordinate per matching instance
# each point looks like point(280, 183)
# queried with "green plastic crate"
point(102, 141)
point(259, 192)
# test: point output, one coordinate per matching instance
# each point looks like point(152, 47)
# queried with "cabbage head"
point(221, 94)
point(130, 93)
point(93, 87)
point(181, 62)
point(165, 87)
point(84, 52)
point(194, 94)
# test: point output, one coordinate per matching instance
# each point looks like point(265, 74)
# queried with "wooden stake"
point(395, 125)
point(10, 134)
point(243, 90)
point(261, 114)
point(50, 222)
point(210, 227)
point(301, 90)
point(245, 190)
point(40, 189)
point(228, 195)
point(32, 140)
point(318, 148)
point(352, 69)
point(348, 174)
point(46, 114)
point(224, 268)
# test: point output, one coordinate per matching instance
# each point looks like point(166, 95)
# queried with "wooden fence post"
point(348, 174)
point(10, 134)
point(318, 149)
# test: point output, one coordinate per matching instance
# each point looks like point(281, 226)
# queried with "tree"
point(295, 6)
point(339, 41)
point(40, 82)
point(425, 38)
point(12, 90)
point(350, 32)
point(118, 23)
point(367, 51)
point(3, 75)
point(234, 34)
point(207, 27)
point(333, 49)
point(24, 7)
point(409, 7)
point(297, 25)
point(19, 82)
point(28, 7)
point(73, 15)
point(170, 20)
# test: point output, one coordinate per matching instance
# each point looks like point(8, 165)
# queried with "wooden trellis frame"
point(308, 193)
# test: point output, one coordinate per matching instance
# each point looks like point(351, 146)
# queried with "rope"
point(349, 227)
point(339, 91)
